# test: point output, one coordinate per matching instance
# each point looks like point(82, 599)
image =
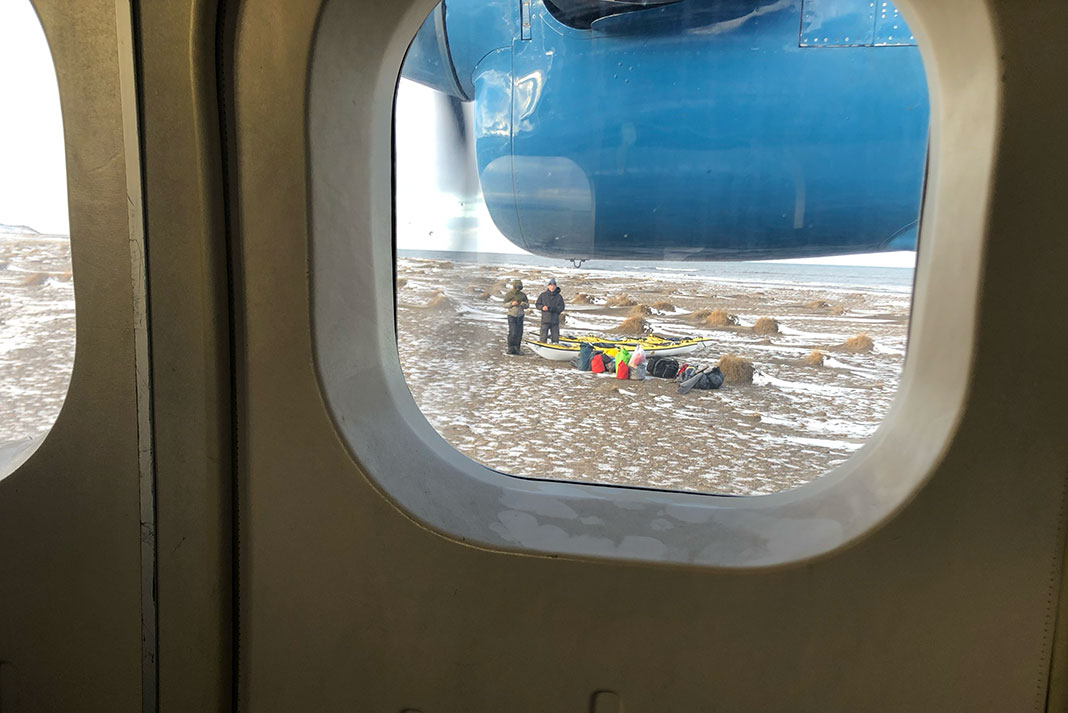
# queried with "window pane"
point(652, 167)
point(36, 289)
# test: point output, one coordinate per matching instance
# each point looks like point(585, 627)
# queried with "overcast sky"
point(33, 177)
point(33, 174)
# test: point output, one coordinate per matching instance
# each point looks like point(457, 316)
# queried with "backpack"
point(711, 379)
point(663, 367)
point(597, 363)
point(585, 356)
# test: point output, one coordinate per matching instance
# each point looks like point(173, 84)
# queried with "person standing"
point(515, 301)
point(550, 303)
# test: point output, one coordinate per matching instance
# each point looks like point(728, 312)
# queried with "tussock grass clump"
point(766, 325)
point(66, 276)
point(736, 369)
point(34, 279)
point(582, 299)
point(635, 325)
point(497, 290)
point(817, 304)
point(814, 358)
point(699, 316)
point(402, 283)
point(663, 306)
point(439, 302)
point(838, 310)
point(620, 301)
point(860, 343)
point(720, 318)
point(563, 318)
point(640, 310)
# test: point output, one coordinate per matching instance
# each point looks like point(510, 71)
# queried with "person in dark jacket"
point(550, 304)
point(515, 302)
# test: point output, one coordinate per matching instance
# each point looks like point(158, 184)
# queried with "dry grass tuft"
point(401, 283)
point(620, 301)
point(766, 325)
point(497, 290)
point(640, 311)
point(439, 302)
point(563, 318)
point(635, 325)
point(34, 279)
point(817, 304)
point(814, 358)
point(736, 369)
point(838, 310)
point(860, 343)
point(663, 306)
point(720, 318)
point(582, 299)
point(699, 316)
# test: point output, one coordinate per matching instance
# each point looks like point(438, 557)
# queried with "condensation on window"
point(748, 217)
point(37, 332)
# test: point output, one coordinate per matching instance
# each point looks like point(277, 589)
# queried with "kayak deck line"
point(569, 348)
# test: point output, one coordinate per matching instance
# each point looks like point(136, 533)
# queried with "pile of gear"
point(635, 365)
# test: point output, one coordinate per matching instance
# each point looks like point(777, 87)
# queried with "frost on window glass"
point(36, 288)
point(689, 189)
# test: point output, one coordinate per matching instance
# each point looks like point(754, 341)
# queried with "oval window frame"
point(353, 316)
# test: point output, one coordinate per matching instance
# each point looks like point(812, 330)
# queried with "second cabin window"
point(36, 287)
point(718, 215)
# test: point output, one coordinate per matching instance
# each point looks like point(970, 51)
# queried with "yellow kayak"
point(568, 348)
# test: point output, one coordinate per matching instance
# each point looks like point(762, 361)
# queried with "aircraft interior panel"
point(74, 629)
point(241, 507)
point(879, 573)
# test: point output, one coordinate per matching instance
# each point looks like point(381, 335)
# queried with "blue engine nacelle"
point(688, 129)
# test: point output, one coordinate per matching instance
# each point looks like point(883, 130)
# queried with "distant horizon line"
point(848, 260)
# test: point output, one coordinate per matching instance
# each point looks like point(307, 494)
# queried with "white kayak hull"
point(552, 352)
point(678, 350)
point(559, 352)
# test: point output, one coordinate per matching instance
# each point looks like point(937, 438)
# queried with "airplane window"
point(704, 227)
point(36, 288)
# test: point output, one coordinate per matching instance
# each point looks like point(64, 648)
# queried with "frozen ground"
point(531, 417)
point(36, 330)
